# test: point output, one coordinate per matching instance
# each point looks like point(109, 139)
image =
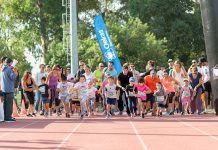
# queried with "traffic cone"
point(23, 109)
point(15, 112)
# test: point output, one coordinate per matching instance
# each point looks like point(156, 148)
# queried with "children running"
point(63, 89)
point(186, 96)
point(81, 87)
point(112, 94)
point(131, 94)
point(143, 90)
point(160, 98)
point(45, 95)
point(91, 98)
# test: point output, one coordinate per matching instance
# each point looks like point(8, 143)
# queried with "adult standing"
point(29, 86)
point(150, 81)
point(196, 81)
point(48, 69)
point(38, 77)
point(122, 82)
point(89, 75)
point(207, 84)
point(149, 67)
point(52, 80)
point(1, 93)
point(135, 73)
point(110, 70)
point(8, 77)
point(80, 71)
point(195, 64)
point(179, 73)
point(170, 67)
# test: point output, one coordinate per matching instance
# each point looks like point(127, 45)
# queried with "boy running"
point(112, 94)
point(45, 95)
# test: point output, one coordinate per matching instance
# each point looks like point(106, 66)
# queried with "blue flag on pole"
point(107, 48)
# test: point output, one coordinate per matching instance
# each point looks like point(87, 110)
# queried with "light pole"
point(73, 36)
point(209, 13)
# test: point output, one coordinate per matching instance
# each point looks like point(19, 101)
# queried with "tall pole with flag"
point(107, 48)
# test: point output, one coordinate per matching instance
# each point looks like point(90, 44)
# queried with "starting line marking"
point(138, 136)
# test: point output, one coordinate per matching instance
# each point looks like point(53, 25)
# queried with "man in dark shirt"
point(80, 71)
point(122, 82)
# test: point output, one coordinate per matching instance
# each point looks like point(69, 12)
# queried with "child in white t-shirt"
point(81, 86)
point(63, 89)
point(111, 94)
point(91, 97)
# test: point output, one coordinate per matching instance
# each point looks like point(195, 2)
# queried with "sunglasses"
point(102, 66)
point(81, 65)
point(194, 62)
point(132, 66)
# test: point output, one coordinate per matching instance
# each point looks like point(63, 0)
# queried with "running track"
point(96, 133)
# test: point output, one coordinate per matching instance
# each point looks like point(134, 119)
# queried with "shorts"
point(98, 95)
point(45, 100)
point(186, 100)
point(30, 97)
point(171, 95)
point(150, 97)
point(111, 101)
point(142, 101)
point(207, 87)
point(75, 102)
point(56, 101)
point(65, 99)
point(161, 105)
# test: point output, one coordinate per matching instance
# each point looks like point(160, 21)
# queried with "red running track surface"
point(97, 133)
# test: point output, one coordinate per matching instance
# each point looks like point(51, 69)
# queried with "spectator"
point(8, 77)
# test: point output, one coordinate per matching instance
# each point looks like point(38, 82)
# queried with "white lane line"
point(3, 135)
point(68, 136)
point(199, 130)
point(138, 136)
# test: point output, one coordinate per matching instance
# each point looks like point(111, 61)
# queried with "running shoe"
point(10, 120)
point(143, 115)
point(108, 116)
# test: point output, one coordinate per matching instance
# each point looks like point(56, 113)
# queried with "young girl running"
point(186, 96)
point(142, 97)
point(160, 98)
point(91, 98)
point(63, 89)
point(81, 86)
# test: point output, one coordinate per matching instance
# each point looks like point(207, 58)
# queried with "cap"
point(170, 60)
point(185, 79)
point(132, 79)
point(152, 71)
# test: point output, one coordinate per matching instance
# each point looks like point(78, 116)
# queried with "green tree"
point(178, 21)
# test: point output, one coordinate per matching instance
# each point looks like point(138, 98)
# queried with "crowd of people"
point(158, 91)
